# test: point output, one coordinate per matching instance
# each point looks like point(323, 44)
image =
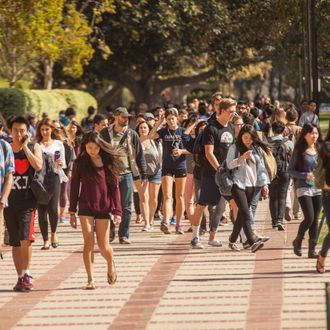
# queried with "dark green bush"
point(20, 102)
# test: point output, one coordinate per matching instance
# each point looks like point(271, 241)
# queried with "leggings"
point(243, 199)
point(311, 207)
point(326, 208)
point(51, 209)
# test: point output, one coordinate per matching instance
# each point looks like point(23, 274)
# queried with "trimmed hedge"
point(21, 101)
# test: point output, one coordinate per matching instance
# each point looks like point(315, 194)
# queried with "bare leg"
point(167, 186)
point(87, 226)
point(179, 196)
point(153, 200)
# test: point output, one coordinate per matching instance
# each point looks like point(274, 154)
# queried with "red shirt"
point(98, 194)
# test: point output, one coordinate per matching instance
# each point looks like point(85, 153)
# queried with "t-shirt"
point(152, 159)
point(21, 195)
point(57, 145)
point(172, 139)
point(123, 162)
point(221, 138)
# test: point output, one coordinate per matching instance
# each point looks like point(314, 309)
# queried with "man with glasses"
point(218, 136)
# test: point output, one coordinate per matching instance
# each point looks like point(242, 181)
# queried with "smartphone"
point(57, 155)
point(24, 138)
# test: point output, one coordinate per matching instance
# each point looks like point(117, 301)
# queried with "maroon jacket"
point(100, 195)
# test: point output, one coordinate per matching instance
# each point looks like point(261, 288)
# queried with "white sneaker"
point(214, 242)
point(146, 228)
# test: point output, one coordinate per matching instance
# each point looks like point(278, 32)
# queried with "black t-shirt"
point(21, 195)
point(221, 138)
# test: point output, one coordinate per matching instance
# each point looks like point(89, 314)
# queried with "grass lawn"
point(324, 121)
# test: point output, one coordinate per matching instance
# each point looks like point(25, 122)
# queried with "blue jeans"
point(126, 194)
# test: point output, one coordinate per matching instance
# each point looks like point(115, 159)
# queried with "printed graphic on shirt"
point(227, 137)
point(20, 180)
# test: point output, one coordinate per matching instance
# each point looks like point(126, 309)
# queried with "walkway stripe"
point(266, 297)
point(137, 312)
point(15, 309)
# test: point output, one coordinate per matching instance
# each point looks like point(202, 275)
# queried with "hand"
point(26, 139)
point(144, 183)
point(73, 221)
point(176, 152)
point(2, 206)
point(117, 219)
point(58, 163)
point(247, 154)
point(265, 192)
point(310, 176)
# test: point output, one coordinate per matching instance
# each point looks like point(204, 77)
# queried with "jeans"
point(326, 209)
point(311, 207)
point(278, 190)
point(126, 194)
point(243, 199)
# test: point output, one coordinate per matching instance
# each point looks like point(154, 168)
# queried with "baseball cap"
point(122, 111)
point(148, 115)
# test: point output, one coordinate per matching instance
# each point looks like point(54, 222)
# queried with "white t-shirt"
point(251, 172)
point(57, 145)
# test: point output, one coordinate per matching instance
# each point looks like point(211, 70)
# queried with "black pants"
point(50, 209)
point(243, 199)
point(278, 190)
point(311, 207)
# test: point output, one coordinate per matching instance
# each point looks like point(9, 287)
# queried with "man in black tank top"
point(19, 215)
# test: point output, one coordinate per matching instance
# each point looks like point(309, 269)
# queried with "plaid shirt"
point(7, 162)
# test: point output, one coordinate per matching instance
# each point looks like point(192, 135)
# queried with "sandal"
point(320, 268)
point(90, 286)
point(112, 277)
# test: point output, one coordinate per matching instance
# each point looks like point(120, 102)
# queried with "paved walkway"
point(163, 284)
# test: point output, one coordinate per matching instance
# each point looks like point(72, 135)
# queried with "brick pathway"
point(163, 284)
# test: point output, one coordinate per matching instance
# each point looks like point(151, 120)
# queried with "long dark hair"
point(256, 142)
point(301, 144)
point(109, 156)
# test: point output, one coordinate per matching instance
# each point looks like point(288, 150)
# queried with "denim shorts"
point(156, 178)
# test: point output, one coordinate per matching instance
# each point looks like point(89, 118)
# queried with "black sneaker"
point(246, 245)
point(280, 227)
point(263, 238)
point(256, 246)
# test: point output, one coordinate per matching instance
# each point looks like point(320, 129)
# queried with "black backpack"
point(42, 183)
point(198, 149)
point(280, 153)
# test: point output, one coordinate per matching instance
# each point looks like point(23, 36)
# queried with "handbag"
point(224, 179)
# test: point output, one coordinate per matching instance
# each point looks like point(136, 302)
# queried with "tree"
point(47, 31)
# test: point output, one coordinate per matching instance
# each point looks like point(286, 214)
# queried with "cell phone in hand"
point(24, 138)
point(57, 155)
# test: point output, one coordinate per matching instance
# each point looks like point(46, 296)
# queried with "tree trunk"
point(279, 87)
point(48, 74)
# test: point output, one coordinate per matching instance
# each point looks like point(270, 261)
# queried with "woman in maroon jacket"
point(95, 188)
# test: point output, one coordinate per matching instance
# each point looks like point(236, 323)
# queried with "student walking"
point(249, 176)
point(174, 167)
point(20, 213)
point(301, 168)
point(49, 138)
point(95, 190)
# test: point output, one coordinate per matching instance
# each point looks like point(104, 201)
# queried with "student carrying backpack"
point(281, 149)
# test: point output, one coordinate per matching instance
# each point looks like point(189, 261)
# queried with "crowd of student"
point(169, 163)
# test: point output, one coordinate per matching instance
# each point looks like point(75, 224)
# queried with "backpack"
point(269, 162)
point(43, 181)
point(198, 149)
point(280, 153)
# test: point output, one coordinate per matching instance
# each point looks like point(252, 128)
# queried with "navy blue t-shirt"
point(172, 139)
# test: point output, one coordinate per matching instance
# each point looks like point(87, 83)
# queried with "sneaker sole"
point(260, 246)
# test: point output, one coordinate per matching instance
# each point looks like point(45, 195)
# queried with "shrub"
point(20, 102)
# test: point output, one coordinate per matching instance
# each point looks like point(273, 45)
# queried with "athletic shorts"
point(95, 215)
point(177, 173)
point(20, 225)
point(210, 194)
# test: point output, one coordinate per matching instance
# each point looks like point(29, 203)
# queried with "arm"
point(153, 133)
point(209, 153)
point(75, 187)
point(115, 195)
point(292, 168)
point(9, 171)
point(35, 157)
point(6, 189)
point(139, 155)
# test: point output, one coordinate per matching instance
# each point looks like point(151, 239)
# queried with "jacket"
point(239, 170)
point(135, 152)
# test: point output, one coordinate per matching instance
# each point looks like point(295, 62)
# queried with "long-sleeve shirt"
point(98, 194)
